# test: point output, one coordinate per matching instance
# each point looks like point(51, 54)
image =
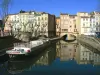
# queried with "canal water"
point(60, 58)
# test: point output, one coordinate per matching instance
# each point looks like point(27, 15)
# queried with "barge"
point(27, 48)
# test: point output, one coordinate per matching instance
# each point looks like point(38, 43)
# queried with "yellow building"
point(37, 23)
point(58, 27)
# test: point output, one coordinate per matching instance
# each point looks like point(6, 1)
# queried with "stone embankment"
point(90, 41)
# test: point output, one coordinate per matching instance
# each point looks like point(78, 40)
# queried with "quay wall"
point(89, 41)
point(7, 41)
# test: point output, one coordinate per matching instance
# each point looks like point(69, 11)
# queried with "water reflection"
point(87, 56)
point(59, 58)
point(78, 52)
point(3, 64)
point(66, 51)
point(20, 64)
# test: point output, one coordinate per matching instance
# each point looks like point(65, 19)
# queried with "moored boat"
point(27, 48)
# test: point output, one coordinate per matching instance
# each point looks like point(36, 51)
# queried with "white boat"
point(27, 48)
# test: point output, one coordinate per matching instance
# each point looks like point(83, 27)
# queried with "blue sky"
point(55, 6)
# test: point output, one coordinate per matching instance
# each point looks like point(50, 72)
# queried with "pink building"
point(68, 24)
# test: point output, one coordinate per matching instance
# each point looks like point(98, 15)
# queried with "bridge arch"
point(68, 35)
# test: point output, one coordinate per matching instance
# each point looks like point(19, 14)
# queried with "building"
point(68, 25)
point(58, 27)
point(83, 19)
point(36, 23)
point(88, 23)
point(64, 21)
point(72, 28)
point(97, 22)
point(85, 25)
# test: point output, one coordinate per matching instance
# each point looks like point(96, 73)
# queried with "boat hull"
point(34, 50)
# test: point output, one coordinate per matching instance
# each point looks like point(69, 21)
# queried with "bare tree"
point(4, 10)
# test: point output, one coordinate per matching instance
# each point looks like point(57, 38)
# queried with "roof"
point(72, 15)
point(82, 12)
point(63, 13)
point(29, 12)
point(85, 17)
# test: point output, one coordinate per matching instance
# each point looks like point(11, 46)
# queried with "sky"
point(55, 6)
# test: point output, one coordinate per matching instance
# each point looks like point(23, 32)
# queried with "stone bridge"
point(69, 35)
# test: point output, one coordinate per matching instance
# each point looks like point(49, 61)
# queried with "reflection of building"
point(48, 57)
point(66, 51)
point(36, 22)
point(58, 49)
point(86, 56)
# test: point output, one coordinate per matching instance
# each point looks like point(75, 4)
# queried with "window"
point(96, 29)
point(45, 18)
point(42, 18)
point(38, 18)
point(74, 26)
point(70, 26)
point(83, 19)
point(83, 24)
point(97, 23)
point(75, 30)
point(65, 30)
point(75, 50)
point(90, 25)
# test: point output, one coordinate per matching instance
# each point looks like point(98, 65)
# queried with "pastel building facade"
point(68, 25)
point(97, 23)
point(37, 23)
point(58, 26)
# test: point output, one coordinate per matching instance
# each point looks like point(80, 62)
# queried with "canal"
point(60, 58)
